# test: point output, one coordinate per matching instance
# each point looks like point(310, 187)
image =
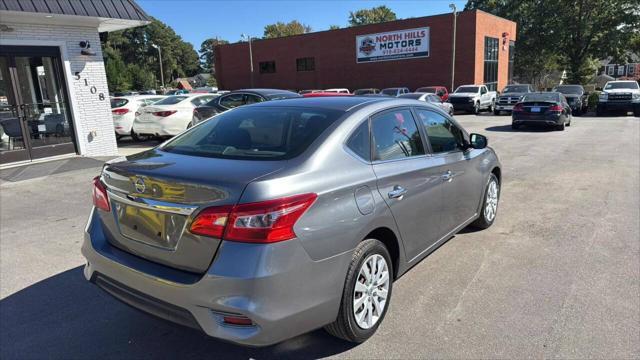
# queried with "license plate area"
point(535, 109)
point(151, 227)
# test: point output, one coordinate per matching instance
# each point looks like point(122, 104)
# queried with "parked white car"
point(124, 108)
point(338, 90)
point(430, 98)
point(473, 98)
point(169, 116)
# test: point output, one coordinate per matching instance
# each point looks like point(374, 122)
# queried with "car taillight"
point(100, 197)
point(260, 222)
point(164, 113)
point(518, 107)
point(119, 111)
point(555, 108)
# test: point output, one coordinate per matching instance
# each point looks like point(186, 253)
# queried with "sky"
point(197, 20)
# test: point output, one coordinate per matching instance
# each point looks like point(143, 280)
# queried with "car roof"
point(340, 103)
point(263, 92)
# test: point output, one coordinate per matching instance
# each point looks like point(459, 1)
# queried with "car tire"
point(600, 111)
point(137, 137)
point(496, 112)
point(515, 126)
point(490, 201)
point(636, 112)
point(560, 127)
point(346, 326)
point(476, 108)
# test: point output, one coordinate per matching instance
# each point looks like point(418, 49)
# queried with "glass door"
point(37, 105)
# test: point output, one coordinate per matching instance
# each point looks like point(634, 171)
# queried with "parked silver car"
point(270, 220)
point(430, 98)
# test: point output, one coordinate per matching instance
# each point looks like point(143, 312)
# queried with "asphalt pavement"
point(556, 276)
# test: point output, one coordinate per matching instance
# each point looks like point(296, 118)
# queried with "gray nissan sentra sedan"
point(274, 219)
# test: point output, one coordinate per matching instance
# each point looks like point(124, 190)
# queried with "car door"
point(231, 101)
point(405, 178)
point(484, 96)
point(459, 168)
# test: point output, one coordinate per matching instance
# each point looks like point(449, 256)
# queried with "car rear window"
point(541, 97)
point(411, 96)
point(171, 100)
point(570, 89)
point(515, 89)
point(268, 133)
point(390, 91)
point(467, 89)
point(118, 102)
point(279, 96)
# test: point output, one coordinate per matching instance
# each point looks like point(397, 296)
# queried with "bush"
point(593, 100)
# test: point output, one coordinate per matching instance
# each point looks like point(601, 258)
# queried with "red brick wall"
point(335, 57)
point(493, 26)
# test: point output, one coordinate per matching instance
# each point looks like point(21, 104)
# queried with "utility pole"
point(160, 59)
point(453, 55)
point(250, 56)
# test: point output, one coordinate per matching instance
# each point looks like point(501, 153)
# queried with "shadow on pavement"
point(65, 316)
point(507, 128)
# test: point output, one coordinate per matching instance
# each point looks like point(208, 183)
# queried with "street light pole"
point(250, 55)
point(453, 55)
point(160, 59)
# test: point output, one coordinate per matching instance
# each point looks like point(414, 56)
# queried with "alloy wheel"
point(371, 291)
point(491, 204)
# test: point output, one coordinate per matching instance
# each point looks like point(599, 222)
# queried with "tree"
point(207, 54)
point(281, 29)
point(371, 16)
point(561, 35)
point(334, 27)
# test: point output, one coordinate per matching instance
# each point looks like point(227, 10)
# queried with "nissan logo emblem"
point(140, 186)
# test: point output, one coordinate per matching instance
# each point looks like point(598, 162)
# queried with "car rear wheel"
point(137, 137)
point(515, 126)
point(496, 112)
point(560, 127)
point(489, 204)
point(366, 293)
point(476, 108)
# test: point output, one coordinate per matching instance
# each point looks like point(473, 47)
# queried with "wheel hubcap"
point(492, 201)
point(371, 290)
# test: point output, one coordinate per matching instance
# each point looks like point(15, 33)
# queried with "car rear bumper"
point(538, 119)
point(154, 128)
point(277, 286)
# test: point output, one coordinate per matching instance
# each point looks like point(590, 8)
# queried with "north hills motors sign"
point(393, 45)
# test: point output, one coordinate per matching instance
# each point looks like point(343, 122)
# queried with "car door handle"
point(447, 176)
point(397, 193)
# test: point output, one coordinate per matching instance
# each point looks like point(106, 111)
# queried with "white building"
point(54, 98)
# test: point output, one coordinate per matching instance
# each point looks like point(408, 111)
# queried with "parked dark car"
point(441, 91)
point(542, 108)
point(396, 91)
point(366, 91)
point(577, 98)
point(511, 95)
point(238, 98)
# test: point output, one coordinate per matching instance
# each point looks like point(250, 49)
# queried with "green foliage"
point(131, 62)
point(334, 27)
point(556, 35)
point(281, 29)
point(371, 16)
point(207, 54)
point(593, 100)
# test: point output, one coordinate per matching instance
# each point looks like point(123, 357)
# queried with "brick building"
point(377, 55)
point(54, 99)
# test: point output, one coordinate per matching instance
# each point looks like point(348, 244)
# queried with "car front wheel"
point(489, 204)
point(366, 293)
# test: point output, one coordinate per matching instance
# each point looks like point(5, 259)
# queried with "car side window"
point(252, 99)
point(395, 135)
point(232, 100)
point(434, 99)
point(444, 136)
point(360, 142)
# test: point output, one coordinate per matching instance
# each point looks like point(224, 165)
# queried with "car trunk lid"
point(155, 195)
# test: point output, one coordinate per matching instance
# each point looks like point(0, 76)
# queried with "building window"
point(610, 69)
point(621, 70)
point(267, 67)
point(491, 50)
point(306, 64)
point(512, 57)
point(630, 69)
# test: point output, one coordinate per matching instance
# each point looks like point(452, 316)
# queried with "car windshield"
point(392, 91)
point(118, 102)
point(516, 89)
point(171, 100)
point(541, 97)
point(467, 89)
point(363, 91)
point(267, 133)
point(411, 96)
point(279, 96)
point(621, 85)
point(429, 89)
point(570, 89)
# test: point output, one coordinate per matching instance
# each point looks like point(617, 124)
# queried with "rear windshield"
point(279, 96)
point(622, 85)
point(570, 89)
point(390, 91)
point(171, 100)
point(516, 89)
point(542, 97)
point(467, 89)
point(118, 102)
point(269, 133)
point(429, 89)
point(411, 96)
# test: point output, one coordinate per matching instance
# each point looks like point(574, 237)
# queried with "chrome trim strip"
point(153, 204)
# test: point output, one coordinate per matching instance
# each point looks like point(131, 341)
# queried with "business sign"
point(393, 45)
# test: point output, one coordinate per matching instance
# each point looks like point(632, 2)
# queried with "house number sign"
point(92, 88)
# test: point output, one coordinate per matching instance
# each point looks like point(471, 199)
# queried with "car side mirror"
point(478, 141)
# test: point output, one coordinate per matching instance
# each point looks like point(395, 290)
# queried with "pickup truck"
point(472, 98)
point(511, 95)
point(619, 95)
